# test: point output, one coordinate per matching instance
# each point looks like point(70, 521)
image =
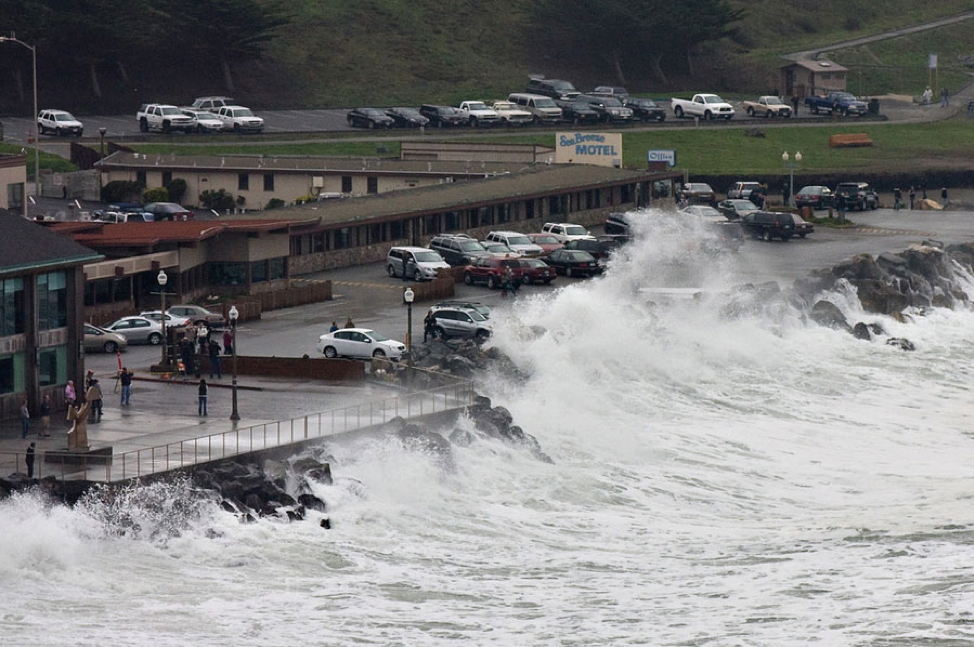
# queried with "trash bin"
point(874, 106)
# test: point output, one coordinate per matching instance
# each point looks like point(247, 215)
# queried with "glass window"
point(258, 271)
point(140, 178)
point(53, 365)
point(373, 184)
point(228, 273)
point(277, 268)
point(346, 184)
point(52, 300)
point(268, 181)
point(243, 182)
point(15, 197)
point(12, 373)
point(166, 178)
point(12, 307)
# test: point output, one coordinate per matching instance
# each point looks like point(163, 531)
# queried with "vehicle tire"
point(802, 235)
point(439, 333)
point(768, 114)
point(678, 112)
point(481, 336)
point(417, 275)
point(378, 352)
point(236, 128)
point(491, 282)
point(110, 347)
point(58, 132)
point(547, 281)
point(155, 339)
point(474, 123)
point(330, 352)
point(576, 120)
point(467, 278)
point(371, 125)
point(391, 270)
point(568, 271)
point(439, 124)
point(166, 127)
point(708, 115)
point(750, 111)
point(143, 125)
point(526, 279)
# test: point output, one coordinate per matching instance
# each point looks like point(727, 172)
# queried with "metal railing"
point(242, 440)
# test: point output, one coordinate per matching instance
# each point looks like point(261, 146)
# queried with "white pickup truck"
point(240, 119)
point(704, 106)
point(156, 116)
point(478, 114)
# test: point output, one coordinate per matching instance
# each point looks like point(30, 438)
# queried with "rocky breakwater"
point(901, 285)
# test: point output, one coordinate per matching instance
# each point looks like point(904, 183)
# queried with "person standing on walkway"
point(202, 394)
point(943, 196)
point(88, 378)
point(913, 196)
point(24, 419)
point(45, 416)
point(970, 109)
point(126, 380)
point(29, 459)
point(428, 322)
point(897, 198)
point(94, 395)
point(349, 323)
point(927, 96)
point(227, 342)
point(215, 360)
point(334, 326)
point(69, 394)
point(794, 103)
point(944, 97)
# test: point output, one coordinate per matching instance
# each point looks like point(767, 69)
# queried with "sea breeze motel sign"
point(601, 149)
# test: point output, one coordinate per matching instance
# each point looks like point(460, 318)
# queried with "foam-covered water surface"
point(725, 473)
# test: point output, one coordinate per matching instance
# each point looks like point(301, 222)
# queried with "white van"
point(420, 263)
point(544, 109)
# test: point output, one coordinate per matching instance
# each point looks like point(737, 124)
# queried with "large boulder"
point(826, 313)
point(861, 266)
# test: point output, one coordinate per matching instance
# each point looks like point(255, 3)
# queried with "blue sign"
point(667, 155)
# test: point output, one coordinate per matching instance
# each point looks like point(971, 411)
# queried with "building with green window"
point(41, 313)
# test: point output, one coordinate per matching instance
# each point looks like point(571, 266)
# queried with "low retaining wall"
point(311, 368)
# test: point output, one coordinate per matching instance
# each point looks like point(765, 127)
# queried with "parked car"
point(704, 106)
point(735, 209)
point(616, 91)
point(609, 108)
point(767, 106)
point(547, 242)
point(172, 320)
point(458, 249)
point(240, 119)
point(577, 112)
point(554, 88)
point(441, 116)
point(703, 211)
point(727, 234)
point(814, 196)
point(573, 262)
point(168, 211)
point(802, 228)
point(197, 315)
point(511, 114)
point(535, 270)
point(857, 195)
point(212, 104)
point(99, 339)
point(407, 117)
point(499, 249)
point(361, 343)
point(698, 193)
point(600, 247)
point(371, 118)
point(490, 271)
point(478, 114)
point(742, 190)
point(58, 122)
point(543, 108)
point(455, 321)
point(839, 102)
point(206, 121)
point(122, 217)
point(769, 225)
point(517, 241)
point(466, 305)
point(644, 109)
point(419, 263)
point(137, 330)
point(565, 231)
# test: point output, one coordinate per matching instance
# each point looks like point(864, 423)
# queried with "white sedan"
point(359, 342)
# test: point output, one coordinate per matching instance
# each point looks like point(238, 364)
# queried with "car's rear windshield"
point(471, 246)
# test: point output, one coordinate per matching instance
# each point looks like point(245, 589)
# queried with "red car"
point(492, 270)
point(547, 242)
point(536, 270)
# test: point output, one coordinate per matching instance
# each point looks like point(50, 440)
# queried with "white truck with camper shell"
point(163, 117)
point(703, 106)
point(478, 114)
point(510, 113)
point(240, 119)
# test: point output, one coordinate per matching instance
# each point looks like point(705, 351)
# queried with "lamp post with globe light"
point(163, 279)
point(791, 166)
point(234, 313)
point(101, 132)
point(409, 296)
point(12, 38)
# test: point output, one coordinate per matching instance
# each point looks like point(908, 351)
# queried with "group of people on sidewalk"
point(200, 337)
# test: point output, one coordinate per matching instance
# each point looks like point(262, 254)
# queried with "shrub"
point(121, 191)
point(177, 189)
point(156, 194)
point(218, 200)
point(274, 203)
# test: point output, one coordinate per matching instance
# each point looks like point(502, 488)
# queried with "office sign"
point(667, 155)
point(601, 149)
point(932, 61)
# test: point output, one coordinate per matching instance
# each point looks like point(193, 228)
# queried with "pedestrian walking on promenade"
point(69, 394)
point(88, 378)
point(944, 97)
point(45, 416)
point(215, 360)
point(126, 380)
point(913, 196)
point(227, 343)
point(202, 394)
point(349, 323)
point(94, 395)
point(24, 419)
point(794, 103)
point(927, 96)
point(897, 199)
point(428, 323)
point(29, 459)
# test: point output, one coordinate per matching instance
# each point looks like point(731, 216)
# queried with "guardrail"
point(243, 440)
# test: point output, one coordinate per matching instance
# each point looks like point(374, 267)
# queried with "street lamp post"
point(408, 296)
point(102, 131)
point(234, 313)
point(37, 150)
point(791, 166)
point(163, 279)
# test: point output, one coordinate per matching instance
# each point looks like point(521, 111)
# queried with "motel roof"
point(26, 245)
point(151, 234)
point(817, 66)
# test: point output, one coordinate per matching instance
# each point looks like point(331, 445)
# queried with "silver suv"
point(458, 249)
point(455, 321)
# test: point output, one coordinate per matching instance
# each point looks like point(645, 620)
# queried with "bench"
point(849, 140)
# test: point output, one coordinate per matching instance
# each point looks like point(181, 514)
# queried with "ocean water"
point(725, 474)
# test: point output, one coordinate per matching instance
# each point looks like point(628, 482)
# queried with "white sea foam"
point(722, 476)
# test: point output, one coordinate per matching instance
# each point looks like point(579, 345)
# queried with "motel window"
point(15, 197)
point(556, 204)
point(319, 242)
point(268, 181)
point(166, 178)
point(397, 229)
point(12, 373)
point(258, 271)
point(52, 301)
point(140, 178)
point(278, 268)
point(52, 365)
point(341, 238)
point(297, 246)
point(12, 307)
point(626, 191)
point(346, 184)
point(243, 182)
point(372, 184)
point(228, 273)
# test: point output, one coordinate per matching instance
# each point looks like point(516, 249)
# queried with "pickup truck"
point(767, 106)
point(240, 119)
point(156, 116)
point(842, 102)
point(705, 106)
point(478, 114)
point(509, 113)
